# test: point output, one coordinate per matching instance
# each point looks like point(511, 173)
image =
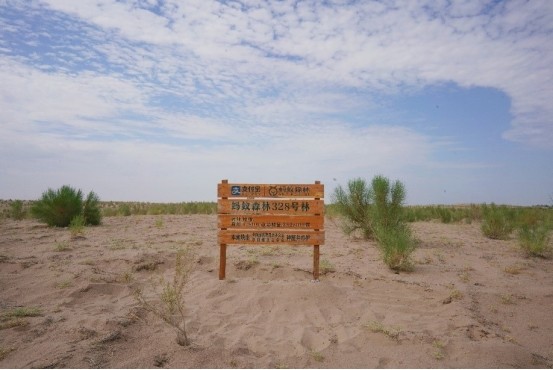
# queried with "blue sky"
point(160, 100)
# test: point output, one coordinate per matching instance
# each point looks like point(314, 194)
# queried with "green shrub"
point(391, 232)
point(378, 212)
point(445, 215)
point(124, 210)
point(91, 210)
point(396, 244)
point(534, 239)
point(498, 222)
point(58, 207)
point(354, 204)
point(16, 210)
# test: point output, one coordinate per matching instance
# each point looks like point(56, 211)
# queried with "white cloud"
point(365, 45)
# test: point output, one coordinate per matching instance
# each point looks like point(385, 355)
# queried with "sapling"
point(169, 304)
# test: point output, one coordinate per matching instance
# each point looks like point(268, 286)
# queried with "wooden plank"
point(270, 207)
point(226, 190)
point(270, 222)
point(271, 237)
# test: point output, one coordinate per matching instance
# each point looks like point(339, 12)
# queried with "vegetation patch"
point(16, 317)
point(377, 211)
point(325, 267)
point(59, 207)
point(62, 247)
point(168, 303)
point(24, 312)
point(4, 352)
point(534, 239)
point(390, 331)
point(498, 222)
point(246, 264)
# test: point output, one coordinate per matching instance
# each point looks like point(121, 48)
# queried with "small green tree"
point(354, 204)
point(170, 303)
point(91, 209)
point(392, 233)
point(388, 202)
point(58, 207)
point(378, 212)
point(17, 212)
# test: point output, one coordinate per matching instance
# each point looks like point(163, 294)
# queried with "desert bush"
point(534, 239)
point(445, 215)
point(16, 210)
point(396, 244)
point(124, 210)
point(58, 207)
point(497, 222)
point(354, 204)
point(91, 210)
point(378, 212)
point(169, 305)
point(391, 232)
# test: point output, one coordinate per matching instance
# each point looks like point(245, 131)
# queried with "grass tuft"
point(498, 222)
point(534, 239)
point(390, 331)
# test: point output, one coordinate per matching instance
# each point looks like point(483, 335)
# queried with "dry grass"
point(439, 353)
point(317, 356)
point(391, 332)
point(62, 247)
point(4, 352)
point(326, 267)
point(246, 264)
point(513, 269)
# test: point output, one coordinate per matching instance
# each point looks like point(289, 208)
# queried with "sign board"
point(271, 222)
point(226, 190)
point(270, 207)
point(272, 237)
point(270, 214)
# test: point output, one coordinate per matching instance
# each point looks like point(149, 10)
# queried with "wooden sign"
point(270, 207)
point(225, 190)
point(271, 222)
point(249, 214)
point(264, 237)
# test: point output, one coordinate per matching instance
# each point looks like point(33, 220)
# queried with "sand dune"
point(471, 301)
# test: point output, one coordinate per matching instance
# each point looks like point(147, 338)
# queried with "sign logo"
point(235, 190)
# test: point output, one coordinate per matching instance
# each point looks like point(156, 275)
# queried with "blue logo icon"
point(235, 190)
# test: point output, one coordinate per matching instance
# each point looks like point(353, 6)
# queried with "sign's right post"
point(316, 252)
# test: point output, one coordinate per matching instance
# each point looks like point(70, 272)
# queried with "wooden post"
point(223, 253)
point(222, 261)
point(316, 253)
point(315, 262)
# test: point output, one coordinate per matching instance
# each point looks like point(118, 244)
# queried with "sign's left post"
point(223, 252)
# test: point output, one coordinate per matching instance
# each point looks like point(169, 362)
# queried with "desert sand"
point(470, 301)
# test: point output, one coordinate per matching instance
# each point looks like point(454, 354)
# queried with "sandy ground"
point(470, 302)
